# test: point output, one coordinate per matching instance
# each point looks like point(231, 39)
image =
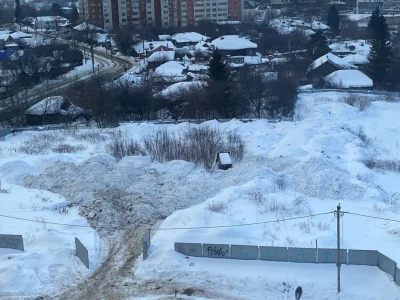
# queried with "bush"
point(40, 143)
point(122, 145)
point(382, 164)
point(66, 148)
point(199, 145)
point(92, 137)
point(217, 206)
point(358, 101)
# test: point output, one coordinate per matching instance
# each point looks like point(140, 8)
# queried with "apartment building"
point(91, 11)
point(160, 13)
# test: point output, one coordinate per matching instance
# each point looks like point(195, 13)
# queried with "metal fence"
point(290, 254)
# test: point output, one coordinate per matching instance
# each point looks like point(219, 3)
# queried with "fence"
point(4, 132)
point(146, 244)
point(347, 91)
point(296, 255)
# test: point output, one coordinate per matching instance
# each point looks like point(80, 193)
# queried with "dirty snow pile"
point(290, 169)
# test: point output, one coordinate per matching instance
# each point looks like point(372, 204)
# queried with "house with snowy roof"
point(53, 110)
point(324, 66)
point(50, 22)
point(348, 79)
point(172, 71)
point(234, 45)
point(188, 39)
point(158, 58)
point(316, 25)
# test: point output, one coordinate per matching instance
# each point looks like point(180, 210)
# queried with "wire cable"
point(372, 217)
point(171, 228)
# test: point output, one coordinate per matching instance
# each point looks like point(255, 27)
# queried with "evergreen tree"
point(380, 56)
point(17, 11)
point(217, 68)
point(318, 45)
point(221, 99)
point(73, 15)
point(334, 20)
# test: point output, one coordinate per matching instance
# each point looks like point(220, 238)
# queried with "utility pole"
point(91, 49)
point(338, 214)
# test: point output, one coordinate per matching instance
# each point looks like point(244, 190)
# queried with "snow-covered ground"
point(318, 157)
point(49, 262)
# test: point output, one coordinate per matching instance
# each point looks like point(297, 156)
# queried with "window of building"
point(166, 24)
point(106, 21)
point(123, 14)
point(149, 19)
point(123, 20)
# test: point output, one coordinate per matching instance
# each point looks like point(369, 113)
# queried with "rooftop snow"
point(189, 37)
point(179, 87)
point(233, 42)
point(49, 105)
point(147, 45)
point(348, 79)
point(171, 68)
point(319, 26)
point(87, 26)
point(161, 56)
point(333, 59)
point(360, 46)
point(164, 37)
point(356, 59)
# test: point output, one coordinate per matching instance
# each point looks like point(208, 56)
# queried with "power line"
point(171, 228)
point(372, 217)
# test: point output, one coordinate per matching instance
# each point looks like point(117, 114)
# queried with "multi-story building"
point(368, 6)
point(91, 11)
point(160, 13)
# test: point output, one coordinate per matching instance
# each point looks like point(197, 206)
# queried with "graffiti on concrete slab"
point(215, 251)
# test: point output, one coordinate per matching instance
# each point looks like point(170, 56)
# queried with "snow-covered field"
point(290, 169)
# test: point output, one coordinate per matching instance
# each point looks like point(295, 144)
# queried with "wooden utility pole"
point(338, 213)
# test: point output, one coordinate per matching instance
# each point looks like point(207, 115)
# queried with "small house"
point(223, 160)
point(234, 45)
point(53, 110)
point(324, 66)
point(158, 58)
point(348, 79)
point(188, 39)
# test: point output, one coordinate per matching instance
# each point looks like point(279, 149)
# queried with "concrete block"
point(329, 256)
point(363, 257)
point(189, 249)
point(303, 255)
point(12, 241)
point(82, 252)
point(244, 252)
point(216, 250)
point(387, 265)
point(274, 253)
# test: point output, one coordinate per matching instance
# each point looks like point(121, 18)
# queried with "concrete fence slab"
point(82, 252)
point(189, 249)
point(244, 252)
point(363, 257)
point(397, 279)
point(216, 250)
point(329, 256)
point(303, 255)
point(387, 265)
point(273, 253)
point(11, 241)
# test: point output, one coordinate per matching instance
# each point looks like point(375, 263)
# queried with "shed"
point(224, 160)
